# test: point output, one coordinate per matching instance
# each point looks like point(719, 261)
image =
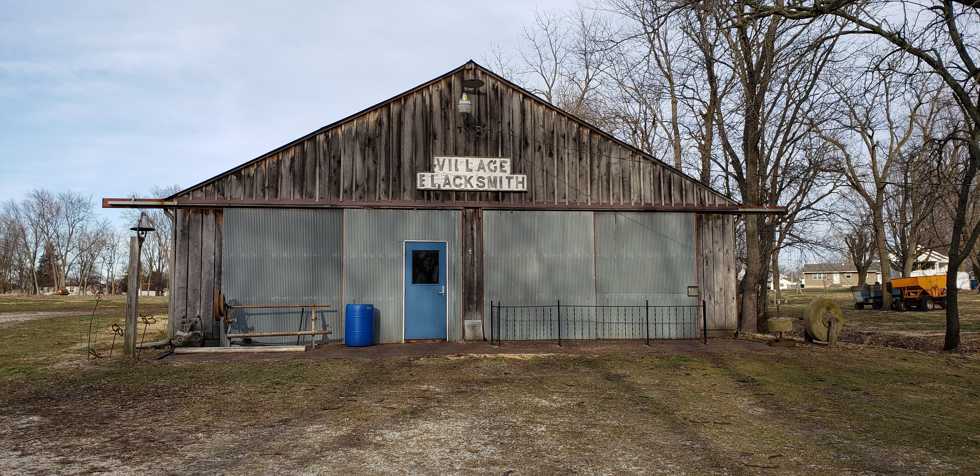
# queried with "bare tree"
point(111, 258)
point(945, 38)
point(681, 77)
point(767, 149)
point(35, 216)
point(857, 239)
point(70, 216)
point(662, 51)
point(563, 61)
point(91, 246)
point(909, 207)
point(880, 104)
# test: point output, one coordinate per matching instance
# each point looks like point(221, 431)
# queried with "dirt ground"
point(730, 407)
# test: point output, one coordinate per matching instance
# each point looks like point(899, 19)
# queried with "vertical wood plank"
point(347, 160)
point(206, 273)
point(472, 264)
point(310, 178)
point(335, 162)
point(219, 225)
point(407, 137)
point(286, 179)
point(194, 268)
point(179, 286)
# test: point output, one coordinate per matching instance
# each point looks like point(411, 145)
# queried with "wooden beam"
point(458, 205)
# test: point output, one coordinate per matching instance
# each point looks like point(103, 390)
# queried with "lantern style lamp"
point(143, 226)
point(465, 105)
point(470, 86)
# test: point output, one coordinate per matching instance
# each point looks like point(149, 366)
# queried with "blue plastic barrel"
point(358, 325)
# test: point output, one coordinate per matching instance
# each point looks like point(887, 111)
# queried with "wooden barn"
point(463, 208)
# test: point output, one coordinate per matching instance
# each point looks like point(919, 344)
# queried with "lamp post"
point(142, 227)
point(471, 86)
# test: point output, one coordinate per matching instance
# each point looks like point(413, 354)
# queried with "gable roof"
point(837, 268)
point(469, 64)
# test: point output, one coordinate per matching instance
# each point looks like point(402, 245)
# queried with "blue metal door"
point(425, 290)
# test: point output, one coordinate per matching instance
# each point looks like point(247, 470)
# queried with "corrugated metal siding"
point(282, 256)
point(647, 256)
point(538, 257)
point(374, 250)
point(587, 259)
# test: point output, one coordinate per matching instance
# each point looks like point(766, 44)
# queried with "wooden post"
point(132, 296)
point(831, 333)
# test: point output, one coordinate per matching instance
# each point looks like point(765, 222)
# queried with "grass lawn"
point(910, 329)
point(677, 408)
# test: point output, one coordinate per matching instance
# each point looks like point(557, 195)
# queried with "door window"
point(425, 267)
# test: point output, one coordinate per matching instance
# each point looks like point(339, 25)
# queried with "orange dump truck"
point(917, 292)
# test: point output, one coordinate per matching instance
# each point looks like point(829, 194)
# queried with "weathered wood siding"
point(196, 278)
point(716, 234)
point(371, 159)
point(373, 156)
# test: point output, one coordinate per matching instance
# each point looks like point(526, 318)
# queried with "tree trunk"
point(883, 260)
point(952, 339)
point(754, 269)
point(676, 130)
point(862, 277)
point(956, 256)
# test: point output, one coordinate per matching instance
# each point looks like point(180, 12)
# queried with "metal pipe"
point(153, 345)
point(278, 334)
point(275, 306)
point(239, 349)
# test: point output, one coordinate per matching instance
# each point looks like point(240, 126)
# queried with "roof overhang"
point(411, 204)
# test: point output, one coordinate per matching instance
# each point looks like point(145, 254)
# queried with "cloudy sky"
point(111, 98)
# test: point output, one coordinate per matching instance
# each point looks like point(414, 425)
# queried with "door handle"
point(442, 290)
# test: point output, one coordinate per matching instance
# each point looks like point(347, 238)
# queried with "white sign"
point(486, 174)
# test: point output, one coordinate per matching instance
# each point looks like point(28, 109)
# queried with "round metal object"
point(472, 83)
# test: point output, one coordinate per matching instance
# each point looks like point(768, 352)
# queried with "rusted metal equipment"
point(917, 292)
point(117, 331)
point(312, 331)
point(867, 295)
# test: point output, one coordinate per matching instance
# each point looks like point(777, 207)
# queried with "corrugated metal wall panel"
point(374, 250)
point(282, 256)
point(646, 256)
point(538, 257)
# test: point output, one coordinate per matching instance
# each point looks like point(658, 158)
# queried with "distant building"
point(784, 282)
point(931, 263)
point(836, 275)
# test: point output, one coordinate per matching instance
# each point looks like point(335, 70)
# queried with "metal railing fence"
point(596, 322)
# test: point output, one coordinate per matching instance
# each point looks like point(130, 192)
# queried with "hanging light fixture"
point(143, 226)
point(465, 105)
point(470, 86)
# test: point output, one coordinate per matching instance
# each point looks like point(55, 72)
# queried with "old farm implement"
point(912, 293)
point(917, 292)
point(867, 295)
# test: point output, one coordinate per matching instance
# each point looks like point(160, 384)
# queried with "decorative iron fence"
point(596, 322)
